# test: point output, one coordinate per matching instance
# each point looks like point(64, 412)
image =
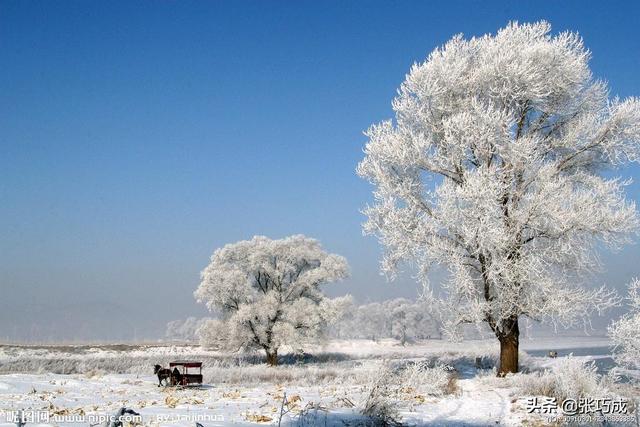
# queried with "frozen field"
point(77, 385)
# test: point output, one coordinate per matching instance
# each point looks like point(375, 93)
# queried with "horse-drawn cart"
point(185, 377)
point(179, 373)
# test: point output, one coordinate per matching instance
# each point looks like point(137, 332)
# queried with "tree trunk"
point(272, 357)
point(509, 342)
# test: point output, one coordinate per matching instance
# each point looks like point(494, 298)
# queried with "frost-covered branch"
point(625, 332)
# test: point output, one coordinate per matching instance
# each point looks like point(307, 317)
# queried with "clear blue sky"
point(138, 136)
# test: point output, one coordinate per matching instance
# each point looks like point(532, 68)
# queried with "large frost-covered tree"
point(268, 293)
point(625, 332)
point(497, 166)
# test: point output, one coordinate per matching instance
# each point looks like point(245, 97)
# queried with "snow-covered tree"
point(625, 333)
point(367, 321)
point(343, 326)
point(372, 321)
point(184, 329)
point(399, 318)
point(268, 293)
point(410, 320)
point(494, 167)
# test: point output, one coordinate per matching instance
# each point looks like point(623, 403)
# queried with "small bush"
point(570, 378)
point(432, 381)
point(392, 386)
point(379, 405)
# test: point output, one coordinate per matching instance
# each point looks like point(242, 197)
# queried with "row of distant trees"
point(185, 329)
point(402, 319)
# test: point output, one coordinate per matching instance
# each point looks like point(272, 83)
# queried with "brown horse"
point(164, 374)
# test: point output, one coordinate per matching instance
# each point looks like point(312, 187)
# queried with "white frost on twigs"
point(625, 333)
point(493, 168)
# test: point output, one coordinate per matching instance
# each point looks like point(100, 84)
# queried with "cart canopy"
point(186, 364)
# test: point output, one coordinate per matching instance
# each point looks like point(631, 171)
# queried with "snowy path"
point(473, 406)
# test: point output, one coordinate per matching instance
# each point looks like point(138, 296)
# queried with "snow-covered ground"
point(81, 385)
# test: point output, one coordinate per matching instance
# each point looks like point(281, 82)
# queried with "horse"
point(163, 374)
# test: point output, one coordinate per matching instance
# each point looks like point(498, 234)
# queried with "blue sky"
point(136, 137)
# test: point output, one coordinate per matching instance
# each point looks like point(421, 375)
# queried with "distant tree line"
point(402, 319)
point(399, 318)
point(185, 329)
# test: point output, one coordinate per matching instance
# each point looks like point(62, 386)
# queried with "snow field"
point(332, 386)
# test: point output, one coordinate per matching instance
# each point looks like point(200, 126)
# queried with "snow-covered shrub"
point(380, 406)
point(625, 333)
point(250, 374)
point(393, 385)
point(575, 379)
point(570, 378)
point(541, 383)
point(431, 381)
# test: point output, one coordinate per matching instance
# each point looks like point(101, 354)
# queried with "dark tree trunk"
point(272, 357)
point(509, 341)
